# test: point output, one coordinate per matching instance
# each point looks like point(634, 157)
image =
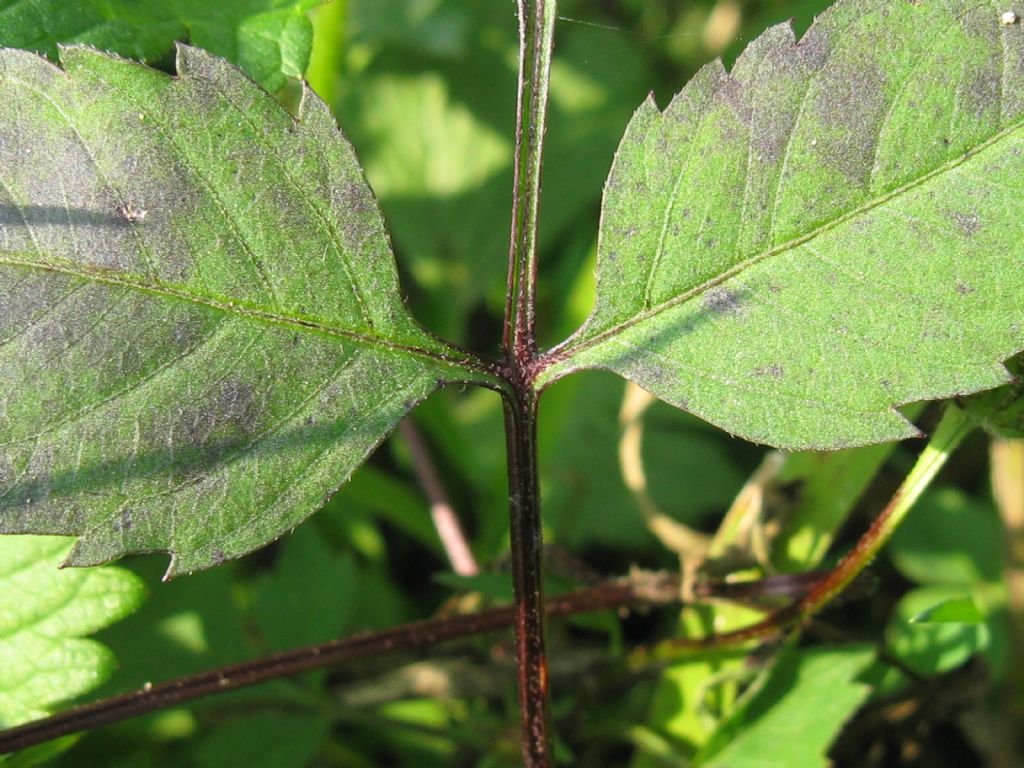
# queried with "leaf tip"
point(77, 54)
point(648, 107)
point(86, 552)
point(188, 59)
point(200, 64)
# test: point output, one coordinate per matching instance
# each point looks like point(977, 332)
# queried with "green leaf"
point(1000, 412)
point(957, 610)
point(932, 647)
point(44, 614)
point(269, 39)
point(289, 610)
point(832, 229)
point(951, 539)
point(201, 326)
point(694, 470)
point(273, 47)
point(827, 486)
point(263, 741)
point(794, 713)
point(186, 626)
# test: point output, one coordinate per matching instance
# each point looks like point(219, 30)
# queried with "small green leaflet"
point(269, 39)
point(201, 328)
point(44, 614)
point(834, 228)
point(793, 712)
point(953, 611)
point(1000, 412)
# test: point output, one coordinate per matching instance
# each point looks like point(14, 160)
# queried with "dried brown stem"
point(442, 512)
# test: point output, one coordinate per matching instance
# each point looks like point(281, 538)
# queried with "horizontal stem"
point(646, 589)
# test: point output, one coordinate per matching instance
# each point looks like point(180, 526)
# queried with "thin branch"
point(638, 589)
point(446, 520)
point(953, 428)
point(691, 546)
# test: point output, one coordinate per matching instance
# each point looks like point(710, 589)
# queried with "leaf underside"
point(201, 329)
point(269, 39)
point(833, 228)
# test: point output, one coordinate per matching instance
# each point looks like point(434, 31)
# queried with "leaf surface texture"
point(201, 329)
point(834, 227)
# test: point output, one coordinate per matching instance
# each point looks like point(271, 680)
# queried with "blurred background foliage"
point(918, 668)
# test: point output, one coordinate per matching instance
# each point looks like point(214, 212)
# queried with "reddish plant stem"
point(651, 589)
point(527, 579)
point(952, 429)
point(536, 41)
point(821, 592)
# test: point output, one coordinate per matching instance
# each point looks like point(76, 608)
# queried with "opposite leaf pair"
point(203, 333)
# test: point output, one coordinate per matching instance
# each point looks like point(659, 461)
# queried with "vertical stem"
point(536, 39)
point(527, 578)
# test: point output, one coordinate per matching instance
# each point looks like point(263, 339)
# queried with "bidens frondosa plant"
point(203, 334)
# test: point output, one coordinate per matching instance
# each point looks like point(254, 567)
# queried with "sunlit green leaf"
point(269, 39)
point(794, 713)
point(933, 647)
point(44, 614)
point(201, 325)
point(957, 610)
point(833, 228)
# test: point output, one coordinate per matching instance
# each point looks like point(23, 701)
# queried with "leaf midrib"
point(460, 358)
point(578, 342)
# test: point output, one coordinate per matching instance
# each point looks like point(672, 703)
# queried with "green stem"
point(954, 426)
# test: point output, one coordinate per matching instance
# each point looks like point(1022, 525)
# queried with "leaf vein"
point(575, 343)
point(144, 252)
point(125, 391)
point(455, 357)
point(182, 154)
